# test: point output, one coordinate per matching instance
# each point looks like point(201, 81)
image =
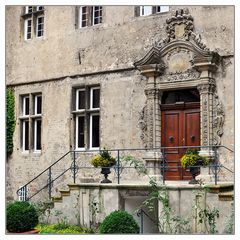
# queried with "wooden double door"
point(180, 127)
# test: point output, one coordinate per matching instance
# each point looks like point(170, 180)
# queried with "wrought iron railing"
point(70, 164)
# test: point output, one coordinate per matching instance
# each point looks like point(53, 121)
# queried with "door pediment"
point(182, 51)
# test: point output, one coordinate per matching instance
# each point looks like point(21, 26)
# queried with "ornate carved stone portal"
point(181, 61)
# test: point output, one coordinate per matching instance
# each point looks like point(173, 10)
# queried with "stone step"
point(220, 188)
point(64, 193)
point(226, 196)
point(57, 199)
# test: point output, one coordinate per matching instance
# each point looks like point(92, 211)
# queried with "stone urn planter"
point(194, 170)
point(192, 160)
point(105, 161)
point(105, 171)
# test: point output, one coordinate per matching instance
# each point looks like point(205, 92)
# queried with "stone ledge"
point(57, 199)
point(221, 187)
point(226, 196)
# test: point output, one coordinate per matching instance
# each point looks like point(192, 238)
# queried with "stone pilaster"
point(153, 158)
point(151, 71)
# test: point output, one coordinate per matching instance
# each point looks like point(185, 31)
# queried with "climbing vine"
point(10, 121)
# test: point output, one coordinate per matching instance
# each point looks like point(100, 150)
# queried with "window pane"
point(28, 29)
point(38, 107)
point(97, 14)
point(96, 98)
point(81, 100)
point(26, 106)
point(80, 143)
point(40, 24)
point(95, 131)
point(39, 8)
point(83, 16)
point(26, 135)
point(30, 9)
point(145, 10)
point(164, 8)
point(39, 126)
point(37, 131)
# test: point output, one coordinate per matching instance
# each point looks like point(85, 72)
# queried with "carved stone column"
point(153, 158)
point(206, 97)
point(151, 71)
point(206, 91)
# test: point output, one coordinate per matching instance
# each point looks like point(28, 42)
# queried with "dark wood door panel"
point(179, 128)
point(170, 133)
point(192, 128)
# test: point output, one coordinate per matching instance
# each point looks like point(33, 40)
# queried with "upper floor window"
point(148, 10)
point(89, 16)
point(33, 22)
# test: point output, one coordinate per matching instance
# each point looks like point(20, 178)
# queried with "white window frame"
point(37, 27)
point(81, 15)
point(26, 29)
point(35, 150)
point(77, 99)
point(23, 135)
point(143, 10)
point(76, 134)
point(35, 105)
point(162, 9)
point(93, 15)
point(24, 106)
point(90, 132)
point(91, 98)
point(22, 196)
point(27, 9)
point(37, 8)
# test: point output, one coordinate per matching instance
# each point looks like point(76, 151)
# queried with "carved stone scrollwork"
point(178, 77)
point(151, 92)
point(205, 120)
point(142, 123)
point(206, 88)
point(218, 120)
point(180, 26)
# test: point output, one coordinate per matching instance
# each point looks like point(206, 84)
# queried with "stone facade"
point(133, 60)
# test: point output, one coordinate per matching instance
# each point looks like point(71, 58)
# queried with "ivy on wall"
point(10, 121)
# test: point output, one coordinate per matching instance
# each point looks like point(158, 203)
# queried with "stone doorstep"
point(226, 196)
point(220, 188)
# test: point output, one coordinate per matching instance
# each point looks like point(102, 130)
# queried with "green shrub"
point(21, 217)
point(62, 228)
point(119, 222)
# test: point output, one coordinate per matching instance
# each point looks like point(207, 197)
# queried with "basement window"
point(22, 193)
point(89, 16)
point(86, 110)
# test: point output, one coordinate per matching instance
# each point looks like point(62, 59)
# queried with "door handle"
point(192, 138)
point(183, 140)
point(171, 139)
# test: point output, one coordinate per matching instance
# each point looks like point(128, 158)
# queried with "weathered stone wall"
point(115, 44)
point(89, 204)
